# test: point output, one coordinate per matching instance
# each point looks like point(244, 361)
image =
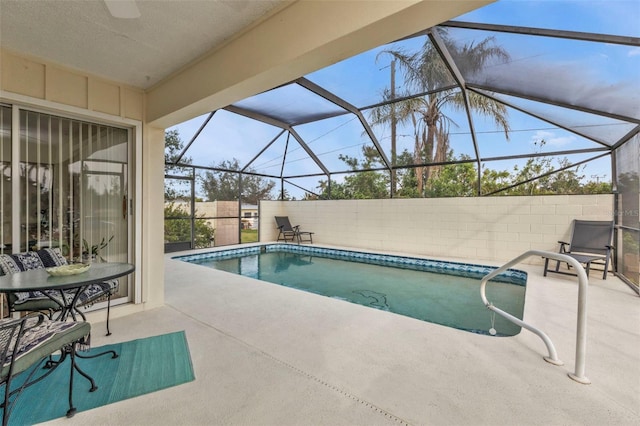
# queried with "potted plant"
point(92, 252)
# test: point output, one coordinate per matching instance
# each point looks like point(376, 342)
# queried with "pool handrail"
point(581, 332)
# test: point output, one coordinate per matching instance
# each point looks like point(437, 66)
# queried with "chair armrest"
point(32, 319)
point(563, 245)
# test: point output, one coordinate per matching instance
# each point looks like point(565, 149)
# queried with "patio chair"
point(590, 242)
point(291, 233)
point(26, 344)
point(39, 302)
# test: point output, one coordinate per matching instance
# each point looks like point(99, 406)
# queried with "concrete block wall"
point(478, 228)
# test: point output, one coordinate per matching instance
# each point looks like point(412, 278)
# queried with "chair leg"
point(93, 387)
point(5, 405)
point(108, 311)
point(113, 353)
point(546, 266)
point(72, 409)
point(557, 265)
point(74, 366)
point(71, 311)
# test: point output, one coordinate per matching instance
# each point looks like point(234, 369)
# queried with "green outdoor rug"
point(143, 366)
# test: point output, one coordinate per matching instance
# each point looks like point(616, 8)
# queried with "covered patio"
point(269, 355)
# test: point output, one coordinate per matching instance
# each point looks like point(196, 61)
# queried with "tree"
point(173, 146)
point(361, 185)
point(424, 71)
point(454, 180)
point(177, 227)
point(406, 178)
point(177, 224)
point(567, 181)
point(494, 180)
point(223, 184)
point(592, 187)
point(527, 177)
point(538, 177)
point(459, 179)
point(285, 196)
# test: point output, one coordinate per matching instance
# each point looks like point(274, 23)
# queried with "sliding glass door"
point(65, 184)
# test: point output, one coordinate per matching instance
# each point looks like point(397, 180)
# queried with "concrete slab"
point(270, 355)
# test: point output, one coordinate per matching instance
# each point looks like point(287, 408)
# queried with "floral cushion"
point(91, 294)
point(35, 334)
point(51, 257)
point(98, 292)
point(12, 263)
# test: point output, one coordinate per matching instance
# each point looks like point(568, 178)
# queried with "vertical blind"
point(73, 181)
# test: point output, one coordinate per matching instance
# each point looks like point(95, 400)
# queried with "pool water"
point(403, 288)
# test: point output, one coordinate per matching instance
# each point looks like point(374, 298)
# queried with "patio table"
point(40, 280)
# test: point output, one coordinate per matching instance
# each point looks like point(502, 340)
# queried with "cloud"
point(634, 52)
point(551, 139)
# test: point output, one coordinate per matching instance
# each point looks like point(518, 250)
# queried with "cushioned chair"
point(26, 344)
point(39, 302)
point(291, 233)
point(590, 243)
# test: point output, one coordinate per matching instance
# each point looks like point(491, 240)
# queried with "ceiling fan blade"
point(124, 9)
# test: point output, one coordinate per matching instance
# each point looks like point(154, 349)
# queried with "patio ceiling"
point(141, 52)
point(581, 84)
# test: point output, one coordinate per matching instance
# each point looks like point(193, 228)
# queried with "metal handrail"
point(581, 332)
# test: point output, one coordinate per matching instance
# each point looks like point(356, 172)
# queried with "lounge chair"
point(590, 242)
point(291, 233)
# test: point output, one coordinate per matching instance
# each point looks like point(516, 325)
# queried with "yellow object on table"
point(72, 269)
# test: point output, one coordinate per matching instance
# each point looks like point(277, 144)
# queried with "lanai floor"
point(264, 354)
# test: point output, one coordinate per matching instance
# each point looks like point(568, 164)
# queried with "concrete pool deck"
point(265, 354)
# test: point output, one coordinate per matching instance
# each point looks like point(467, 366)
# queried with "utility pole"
point(393, 128)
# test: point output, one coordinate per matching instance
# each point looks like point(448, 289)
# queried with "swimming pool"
point(446, 293)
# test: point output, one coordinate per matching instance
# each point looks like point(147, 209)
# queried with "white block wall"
point(478, 228)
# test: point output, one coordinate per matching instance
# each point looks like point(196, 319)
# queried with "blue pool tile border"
point(469, 270)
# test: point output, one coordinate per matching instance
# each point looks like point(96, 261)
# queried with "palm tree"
point(425, 72)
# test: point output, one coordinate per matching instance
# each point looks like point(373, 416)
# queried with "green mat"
point(143, 366)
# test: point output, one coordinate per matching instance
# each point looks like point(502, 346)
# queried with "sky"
point(578, 72)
